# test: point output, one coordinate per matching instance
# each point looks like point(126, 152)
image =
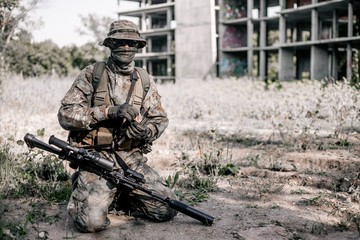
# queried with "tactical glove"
point(138, 131)
point(123, 111)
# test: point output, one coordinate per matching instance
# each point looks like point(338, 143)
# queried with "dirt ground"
point(279, 193)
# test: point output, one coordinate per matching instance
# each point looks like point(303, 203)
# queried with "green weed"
point(170, 181)
point(314, 201)
point(20, 229)
point(251, 161)
point(298, 192)
point(343, 226)
point(343, 143)
point(229, 169)
point(200, 174)
point(46, 178)
point(33, 174)
point(196, 187)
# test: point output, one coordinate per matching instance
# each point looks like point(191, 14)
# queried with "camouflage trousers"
point(92, 196)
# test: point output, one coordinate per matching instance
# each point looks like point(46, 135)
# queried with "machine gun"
point(105, 168)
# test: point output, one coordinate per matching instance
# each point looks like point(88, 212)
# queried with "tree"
point(84, 55)
point(95, 26)
point(36, 59)
point(12, 13)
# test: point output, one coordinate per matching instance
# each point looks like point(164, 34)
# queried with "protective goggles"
point(123, 42)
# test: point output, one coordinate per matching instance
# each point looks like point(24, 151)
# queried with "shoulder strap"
point(99, 83)
point(134, 79)
point(97, 74)
point(145, 79)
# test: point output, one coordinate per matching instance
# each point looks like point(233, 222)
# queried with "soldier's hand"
point(123, 111)
point(138, 131)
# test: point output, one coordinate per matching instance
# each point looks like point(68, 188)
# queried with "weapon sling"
point(117, 132)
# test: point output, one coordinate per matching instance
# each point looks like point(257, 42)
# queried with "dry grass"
point(229, 106)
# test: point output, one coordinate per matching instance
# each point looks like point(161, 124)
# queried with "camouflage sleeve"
point(155, 116)
point(76, 112)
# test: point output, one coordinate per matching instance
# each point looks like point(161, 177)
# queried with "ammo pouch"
point(103, 136)
point(80, 138)
point(98, 137)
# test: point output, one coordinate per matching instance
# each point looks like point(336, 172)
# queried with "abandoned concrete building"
point(181, 36)
point(264, 39)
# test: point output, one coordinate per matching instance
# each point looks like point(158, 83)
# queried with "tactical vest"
point(103, 136)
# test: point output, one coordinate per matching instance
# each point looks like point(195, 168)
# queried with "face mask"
point(123, 55)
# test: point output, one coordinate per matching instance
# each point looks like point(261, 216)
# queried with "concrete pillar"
point(262, 60)
point(197, 58)
point(316, 66)
point(334, 56)
point(262, 35)
point(319, 63)
point(168, 18)
point(149, 22)
point(143, 22)
point(151, 71)
point(168, 41)
point(169, 64)
point(334, 64)
point(169, 61)
point(286, 64)
point(348, 61)
point(314, 25)
point(250, 32)
point(143, 28)
point(335, 24)
point(283, 4)
point(282, 29)
point(144, 65)
point(348, 46)
point(149, 43)
point(350, 19)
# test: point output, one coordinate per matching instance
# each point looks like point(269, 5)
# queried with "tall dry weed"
point(229, 106)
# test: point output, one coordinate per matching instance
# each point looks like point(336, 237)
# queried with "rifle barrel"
point(190, 211)
point(32, 142)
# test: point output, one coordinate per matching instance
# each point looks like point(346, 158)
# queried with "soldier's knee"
point(162, 213)
point(167, 215)
point(88, 219)
point(91, 224)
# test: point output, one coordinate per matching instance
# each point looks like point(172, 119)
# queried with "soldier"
point(119, 118)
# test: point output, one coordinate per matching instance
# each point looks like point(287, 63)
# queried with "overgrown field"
point(269, 162)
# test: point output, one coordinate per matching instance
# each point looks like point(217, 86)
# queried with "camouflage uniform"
point(93, 195)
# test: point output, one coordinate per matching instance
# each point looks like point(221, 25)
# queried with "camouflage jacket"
point(77, 112)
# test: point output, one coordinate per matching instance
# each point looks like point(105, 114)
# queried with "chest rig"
point(102, 136)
